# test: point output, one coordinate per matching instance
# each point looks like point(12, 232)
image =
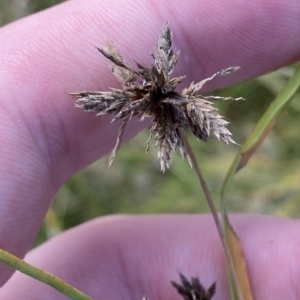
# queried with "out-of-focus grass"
point(134, 184)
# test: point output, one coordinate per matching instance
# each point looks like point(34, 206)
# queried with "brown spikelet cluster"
point(150, 92)
point(194, 290)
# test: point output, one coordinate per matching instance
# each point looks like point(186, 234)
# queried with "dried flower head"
point(194, 290)
point(150, 92)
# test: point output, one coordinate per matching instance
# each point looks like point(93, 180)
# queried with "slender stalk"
point(212, 208)
point(45, 277)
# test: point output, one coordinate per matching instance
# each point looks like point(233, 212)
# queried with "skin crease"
point(45, 140)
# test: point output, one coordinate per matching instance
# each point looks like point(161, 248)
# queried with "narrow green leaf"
point(262, 128)
point(41, 275)
point(254, 140)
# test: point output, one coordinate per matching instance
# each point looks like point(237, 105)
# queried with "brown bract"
point(150, 92)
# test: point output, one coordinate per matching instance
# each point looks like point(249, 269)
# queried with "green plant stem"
point(45, 277)
point(213, 210)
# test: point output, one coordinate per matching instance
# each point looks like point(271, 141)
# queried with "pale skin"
point(45, 140)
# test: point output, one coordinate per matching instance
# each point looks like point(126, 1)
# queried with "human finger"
point(45, 139)
point(129, 256)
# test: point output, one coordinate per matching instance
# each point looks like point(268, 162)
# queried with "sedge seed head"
point(150, 92)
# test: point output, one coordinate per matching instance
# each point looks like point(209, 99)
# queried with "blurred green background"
point(134, 184)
